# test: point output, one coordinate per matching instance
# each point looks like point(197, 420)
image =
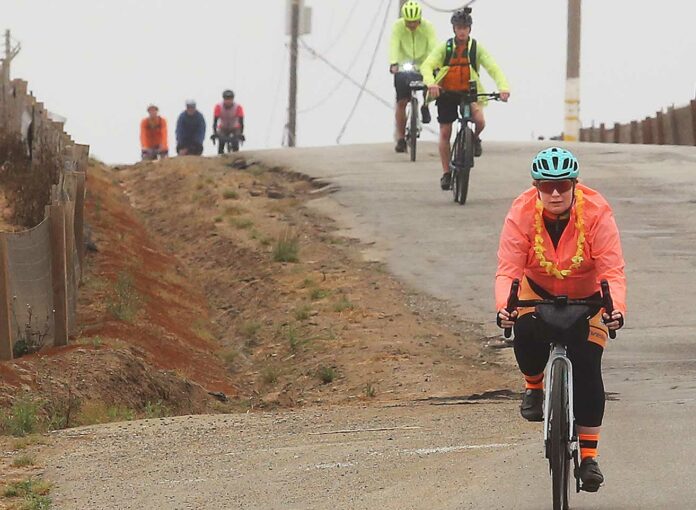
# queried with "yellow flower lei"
point(539, 250)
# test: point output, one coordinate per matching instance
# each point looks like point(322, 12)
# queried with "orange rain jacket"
point(153, 134)
point(603, 258)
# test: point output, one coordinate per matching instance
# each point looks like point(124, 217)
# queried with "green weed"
point(124, 303)
point(286, 248)
point(327, 374)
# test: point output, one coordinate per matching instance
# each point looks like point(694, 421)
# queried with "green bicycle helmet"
point(411, 11)
point(555, 164)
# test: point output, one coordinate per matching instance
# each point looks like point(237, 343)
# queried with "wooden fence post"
point(660, 128)
point(648, 131)
point(617, 133)
point(602, 133)
point(80, 220)
point(5, 298)
point(672, 122)
point(635, 131)
point(59, 274)
point(693, 118)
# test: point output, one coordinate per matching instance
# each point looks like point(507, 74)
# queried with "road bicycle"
point(228, 142)
point(561, 443)
point(409, 73)
point(462, 153)
point(414, 123)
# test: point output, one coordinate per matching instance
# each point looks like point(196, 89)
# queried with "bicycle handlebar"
point(514, 302)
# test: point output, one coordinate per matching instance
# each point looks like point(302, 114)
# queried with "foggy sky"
point(99, 63)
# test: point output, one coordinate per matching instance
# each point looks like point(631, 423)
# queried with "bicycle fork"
point(559, 353)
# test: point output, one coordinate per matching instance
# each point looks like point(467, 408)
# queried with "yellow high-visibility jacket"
point(411, 46)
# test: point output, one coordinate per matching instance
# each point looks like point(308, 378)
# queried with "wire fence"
point(40, 268)
point(675, 126)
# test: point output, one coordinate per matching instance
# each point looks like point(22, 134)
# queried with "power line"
point(350, 67)
point(275, 100)
point(367, 75)
point(349, 78)
point(353, 8)
point(440, 9)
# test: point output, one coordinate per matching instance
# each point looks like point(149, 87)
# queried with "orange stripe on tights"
point(534, 382)
point(588, 445)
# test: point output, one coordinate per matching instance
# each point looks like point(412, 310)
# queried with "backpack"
point(449, 50)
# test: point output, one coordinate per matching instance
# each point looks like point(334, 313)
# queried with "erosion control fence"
point(40, 267)
point(675, 126)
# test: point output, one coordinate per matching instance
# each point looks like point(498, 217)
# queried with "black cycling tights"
point(532, 353)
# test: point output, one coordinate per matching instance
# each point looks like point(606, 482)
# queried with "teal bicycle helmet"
point(554, 164)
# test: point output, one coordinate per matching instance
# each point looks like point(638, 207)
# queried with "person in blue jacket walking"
point(190, 131)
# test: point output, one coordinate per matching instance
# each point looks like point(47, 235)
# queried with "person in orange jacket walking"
point(560, 238)
point(153, 135)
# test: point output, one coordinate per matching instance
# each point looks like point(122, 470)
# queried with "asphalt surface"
point(453, 455)
point(449, 251)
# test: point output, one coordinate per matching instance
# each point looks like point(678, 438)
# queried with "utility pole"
point(292, 102)
point(10, 53)
point(571, 126)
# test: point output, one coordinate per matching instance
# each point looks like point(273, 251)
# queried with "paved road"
point(449, 251)
point(451, 456)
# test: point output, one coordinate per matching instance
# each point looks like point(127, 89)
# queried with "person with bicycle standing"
point(190, 131)
point(412, 39)
point(153, 135)
point(560, 238)
point(230, 116)
point(449, 68)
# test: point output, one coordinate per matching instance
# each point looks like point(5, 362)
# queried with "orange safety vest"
point(603, 258)
point(459, 73)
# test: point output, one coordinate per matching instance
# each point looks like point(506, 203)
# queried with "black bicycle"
point(228, 142)
point(561, 442)
point(462, 153)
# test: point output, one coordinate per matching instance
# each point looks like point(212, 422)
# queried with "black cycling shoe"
point(478, 150)
point(532, 405)
point(425, 114)
point(446, 181)
point(590, 475)
point(400, 145)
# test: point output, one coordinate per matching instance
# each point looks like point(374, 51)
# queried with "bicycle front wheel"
point(456, 166)
point(559, 427)
point(413, 128)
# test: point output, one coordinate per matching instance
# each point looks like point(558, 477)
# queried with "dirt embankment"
point(328, 327)
point(188, 294)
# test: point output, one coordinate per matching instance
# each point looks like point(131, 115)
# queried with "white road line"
point(448, 449)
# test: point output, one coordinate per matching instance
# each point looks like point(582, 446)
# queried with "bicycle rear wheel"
point(413, 128)
point(558, 436)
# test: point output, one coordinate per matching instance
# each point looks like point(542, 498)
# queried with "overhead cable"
point(349, 78)
point(346, 73)
point(367, 75)
point(440, 9)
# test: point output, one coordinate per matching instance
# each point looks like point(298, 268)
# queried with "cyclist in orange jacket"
point(560, 238)
point(153, 135)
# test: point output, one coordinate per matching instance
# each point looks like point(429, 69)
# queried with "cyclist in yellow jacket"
point(412, 39)
point(449, 68)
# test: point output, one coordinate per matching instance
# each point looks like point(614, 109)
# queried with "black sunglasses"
point(560, 186)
